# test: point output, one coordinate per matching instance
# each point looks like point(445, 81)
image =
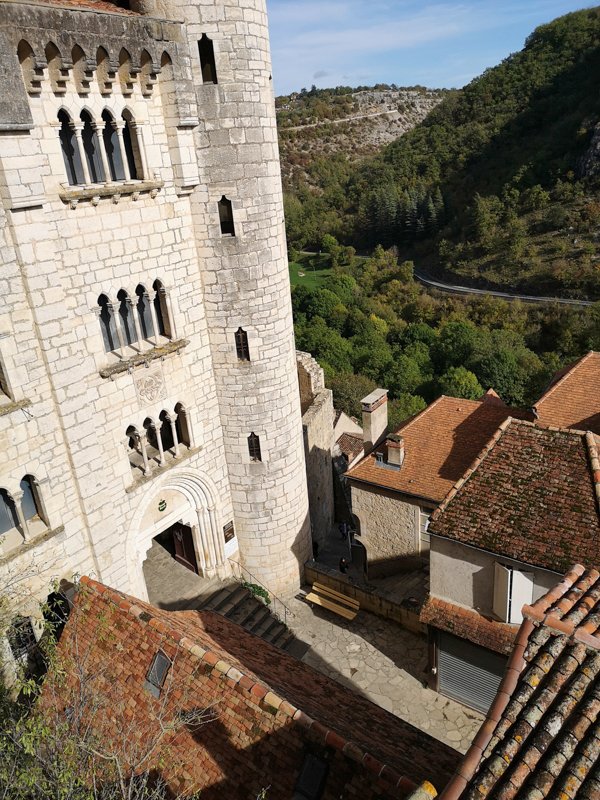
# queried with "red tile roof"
point(573, 398)
point(440, 443)
point(542, 735)
point(351, 445)
point(468, 624)
point(269, 705)
point(531, 495)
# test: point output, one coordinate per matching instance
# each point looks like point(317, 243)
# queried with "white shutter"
point(521, 594)
point(501, 591)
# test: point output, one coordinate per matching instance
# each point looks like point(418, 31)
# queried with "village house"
point(526, 509)
point(404, 476)
point(271, 721)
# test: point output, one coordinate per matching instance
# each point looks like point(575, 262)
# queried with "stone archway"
point(177, 496)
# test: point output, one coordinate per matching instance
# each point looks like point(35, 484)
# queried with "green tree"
point(460, 382)
point(403, 407)
point(348, 390)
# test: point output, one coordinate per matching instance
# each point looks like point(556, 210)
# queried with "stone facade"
point(317, 425)
point(389, 528)
point(126, 439)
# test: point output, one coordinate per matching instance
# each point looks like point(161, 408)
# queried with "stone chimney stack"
point(395, 448)
point(374, 418)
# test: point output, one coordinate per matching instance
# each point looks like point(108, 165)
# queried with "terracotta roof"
point(350, 445)
point(573, 398)
point(468, 624)
point(542, 735)
point(440, 443)
point(531, 495)
point(269, 704)
point(85, 5)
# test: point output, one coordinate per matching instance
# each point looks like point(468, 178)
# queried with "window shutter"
point(521, 594)
point(501, 591)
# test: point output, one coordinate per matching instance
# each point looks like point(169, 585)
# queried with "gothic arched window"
point(111, 146)
point(8, 512)
point(91, 149)
point(126, 314)
point(132, 148)
point(166, 432)
point(144, 312)
point(161, 309)
point(182, 425)
point(241, 345)
point(206, 51)
point(108, 324)
point(254, 447)
point(69, 148)
point(30, 502)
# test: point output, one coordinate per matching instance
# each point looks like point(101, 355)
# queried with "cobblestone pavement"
point(386, 663)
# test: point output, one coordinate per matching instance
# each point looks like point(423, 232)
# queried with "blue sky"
point(353, 42)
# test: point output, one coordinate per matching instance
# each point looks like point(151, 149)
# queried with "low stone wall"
point(370, 597)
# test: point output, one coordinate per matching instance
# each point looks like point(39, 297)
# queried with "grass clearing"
point(310, 270)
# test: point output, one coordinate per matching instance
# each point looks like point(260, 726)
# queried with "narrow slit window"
point(254, 447)
point(241, 345)
point(207, 60)
point(157, 674)
point(226, 217)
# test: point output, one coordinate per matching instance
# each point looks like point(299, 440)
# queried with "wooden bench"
point(334, 601)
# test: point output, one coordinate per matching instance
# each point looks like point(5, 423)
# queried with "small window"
point(226, 217)
point(241, 345)
point(207, 60)
point(21, 638)
point(132, 146)
point(379, 458)
point(161, 309)
point(311, 781)
point(144, 313)
point(166, 433)
point(182, 425)
point(111, 146)
point(254, 447)
point(157, 673)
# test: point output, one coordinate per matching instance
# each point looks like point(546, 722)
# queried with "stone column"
point(171, 421)
point(154, 322)
point(77, 129)
point(17, 498)
point(118, 126)
point(98, 130)
point(141, 439)
point(159, 444)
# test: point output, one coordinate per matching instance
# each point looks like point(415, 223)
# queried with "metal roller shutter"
point(468, 673)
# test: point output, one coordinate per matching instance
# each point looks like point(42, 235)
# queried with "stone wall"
point(389, 528)
point(317, 426)
point(465, 575)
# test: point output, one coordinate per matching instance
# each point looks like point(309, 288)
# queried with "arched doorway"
point(180, 507)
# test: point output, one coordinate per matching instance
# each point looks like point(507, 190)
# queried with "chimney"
point(395, 447)
point(374, 418)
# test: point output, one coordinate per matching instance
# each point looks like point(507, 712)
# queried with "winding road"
point(526, 298)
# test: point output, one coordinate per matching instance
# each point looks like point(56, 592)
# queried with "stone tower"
point(148, 387)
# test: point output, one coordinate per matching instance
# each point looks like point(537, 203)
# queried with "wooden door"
point(184, 547)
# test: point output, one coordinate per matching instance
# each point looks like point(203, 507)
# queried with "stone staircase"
point(173, 587)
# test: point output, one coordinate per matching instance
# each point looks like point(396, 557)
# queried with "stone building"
point(148, 382)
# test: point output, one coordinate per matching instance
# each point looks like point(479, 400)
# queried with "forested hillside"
point(498, 185)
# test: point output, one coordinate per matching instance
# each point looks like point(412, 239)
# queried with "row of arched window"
point(20, 509)
point(100, 151)
point(158, 440)
point(132, 320)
